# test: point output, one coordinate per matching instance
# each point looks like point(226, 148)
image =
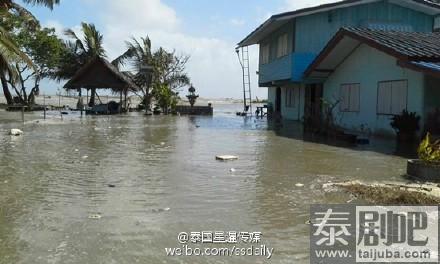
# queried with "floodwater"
point(120, 189)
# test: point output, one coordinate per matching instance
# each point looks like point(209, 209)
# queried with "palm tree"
point(82, 51)
point(9, 51)
point(141, 59)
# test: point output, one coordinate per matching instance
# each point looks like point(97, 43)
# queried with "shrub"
point(429, 151)
point(406, 123)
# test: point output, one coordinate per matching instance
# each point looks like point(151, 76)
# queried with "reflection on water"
point(131, 169)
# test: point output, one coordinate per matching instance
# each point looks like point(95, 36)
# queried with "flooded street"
point(146, 179)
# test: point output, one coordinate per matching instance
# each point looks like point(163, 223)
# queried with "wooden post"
point(44, 105)
point(80, 96)
point(120, 103)
point(22, 113)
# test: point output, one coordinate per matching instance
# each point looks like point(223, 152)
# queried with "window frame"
point(265, 53)
point(290, 98)
point(349, 98)
point(377, 99)
point(283, 45)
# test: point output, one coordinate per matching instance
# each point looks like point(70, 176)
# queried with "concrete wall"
point(369, 66)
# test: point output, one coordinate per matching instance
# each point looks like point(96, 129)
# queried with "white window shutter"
point(354, 97)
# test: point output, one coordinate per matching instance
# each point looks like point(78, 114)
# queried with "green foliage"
point(165, 97)
point(159, 74)
point(79, 51)
point(406, 123)
point(429, 151)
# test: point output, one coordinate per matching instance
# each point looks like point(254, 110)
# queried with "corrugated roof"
point(276, 21)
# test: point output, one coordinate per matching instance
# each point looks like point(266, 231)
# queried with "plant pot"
point(423, 171)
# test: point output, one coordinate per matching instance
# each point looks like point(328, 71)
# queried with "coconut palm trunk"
point(6, 92)
point(92, 97)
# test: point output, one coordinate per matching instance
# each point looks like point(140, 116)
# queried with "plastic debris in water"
point(232, 170)
point(16, 132)
point(111, 185)
point(161, 210)
point(299, 185)
point(85, 157)
point(95, 216)
point(162, 143)
point(76, 150)
point(226, 157)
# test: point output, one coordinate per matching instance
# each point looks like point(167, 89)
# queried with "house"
point(340, 51)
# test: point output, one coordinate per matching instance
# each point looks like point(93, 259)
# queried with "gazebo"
point(101, 74)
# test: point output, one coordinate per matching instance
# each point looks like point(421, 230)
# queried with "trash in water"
point(15, 132)
point(111, 185)
point(76, 150)
point(299, 185)
point(162, 143)
point(160, 210)
point(226, 157)
point(233, 170)
point(85, 157)
point(95, 216)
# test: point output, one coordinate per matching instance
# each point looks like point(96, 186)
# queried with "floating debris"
point(232, 170)
point(161, 210)
point(299, 185)
point(226, 157)
point(85, 157)
point(76, 150)
point(162, 143)
point(95, 216)
point(16, 132)
point(112, 186)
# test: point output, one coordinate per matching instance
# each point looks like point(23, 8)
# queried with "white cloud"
point(213, 67)
point(291, 5)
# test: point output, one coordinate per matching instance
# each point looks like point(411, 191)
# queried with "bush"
point(429, 151)
point(406, 123)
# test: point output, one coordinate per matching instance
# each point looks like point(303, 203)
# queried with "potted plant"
point(427, 167)
point(406, 126)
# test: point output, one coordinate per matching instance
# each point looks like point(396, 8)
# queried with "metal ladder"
point(247, 91)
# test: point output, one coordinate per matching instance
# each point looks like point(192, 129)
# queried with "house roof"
point(278, 20)
point(415, 50)
point(100, 74)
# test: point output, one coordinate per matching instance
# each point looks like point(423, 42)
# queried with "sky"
point(207, 31)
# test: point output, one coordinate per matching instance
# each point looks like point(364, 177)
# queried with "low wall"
point(195, 110)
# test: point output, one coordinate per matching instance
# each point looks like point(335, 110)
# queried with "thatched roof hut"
point(100, 74)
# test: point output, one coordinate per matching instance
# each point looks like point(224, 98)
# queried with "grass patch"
point(391, 195)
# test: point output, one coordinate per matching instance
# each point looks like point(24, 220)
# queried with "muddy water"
point(147, 179)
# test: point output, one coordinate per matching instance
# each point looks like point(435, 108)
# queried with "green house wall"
point(368, 66)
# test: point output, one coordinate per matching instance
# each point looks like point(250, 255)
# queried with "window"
point(265, 51)
point(437, 24)
point(290, 97)
point(283, 41)
point(392, 97)
point(350, 97)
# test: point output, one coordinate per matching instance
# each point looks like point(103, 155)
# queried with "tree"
point(9, 51)
point(165, 76)
point(80, 52)
point(43, 47)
